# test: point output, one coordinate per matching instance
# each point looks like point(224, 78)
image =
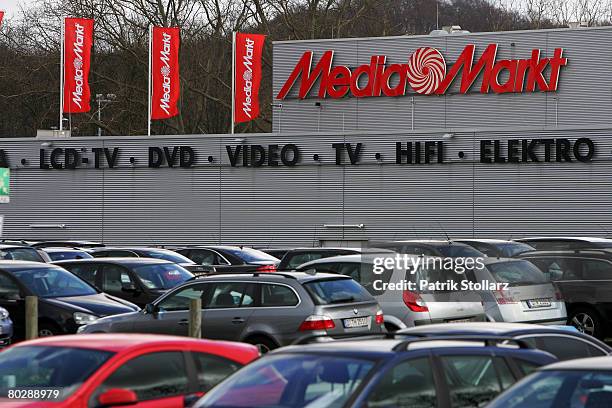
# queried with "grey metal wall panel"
point(584, 95)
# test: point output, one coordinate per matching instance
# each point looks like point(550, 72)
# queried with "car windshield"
point(53, 282)
point(167, 256)
point(459, 250)
point(65, 255)
point(330, 291)
point(56, 368)
point(21, 254)
point(249, 255)
point(516, 272)
point(552, 389)
point(511, 249)
point(162, 276)
point(291, 380)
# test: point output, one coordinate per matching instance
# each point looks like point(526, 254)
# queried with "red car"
point(106, 370)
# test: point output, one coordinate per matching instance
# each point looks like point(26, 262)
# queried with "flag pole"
point(150, 105)
point(233, 80)
point(61, 88)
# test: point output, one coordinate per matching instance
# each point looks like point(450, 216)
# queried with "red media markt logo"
point(426, 70)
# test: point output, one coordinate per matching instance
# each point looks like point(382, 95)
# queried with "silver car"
point(402, 307)
point(265, 309)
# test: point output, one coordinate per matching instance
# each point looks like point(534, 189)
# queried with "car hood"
point(99, 304)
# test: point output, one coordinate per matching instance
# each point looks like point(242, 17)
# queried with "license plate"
point(537, 303)
point(356, 322)
point(459, 321)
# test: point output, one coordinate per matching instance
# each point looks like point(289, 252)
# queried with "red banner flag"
point(248, 76)
point(165, 72)
point(78, 39)
point(1, 17)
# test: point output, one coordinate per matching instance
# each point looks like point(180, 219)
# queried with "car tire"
point(391, 328)
point(262, 343)
point(48, 330)
point(587, 321)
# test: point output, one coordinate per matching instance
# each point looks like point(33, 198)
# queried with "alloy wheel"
point(45, 333)
point(584, 323)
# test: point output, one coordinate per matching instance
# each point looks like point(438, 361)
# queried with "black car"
point(61, 254)
point(147, 252)
point(22, 253)
point(298, 256)
point(138, 280)
point(231, 259)
point(69, 243)
point(564, 243)
point(561, 342)
point(275, 252)
point(446, 249)
point(584, 279)
point(65, 301)
point(497, 247)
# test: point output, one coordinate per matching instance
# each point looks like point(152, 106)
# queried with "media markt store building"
point(489, 135)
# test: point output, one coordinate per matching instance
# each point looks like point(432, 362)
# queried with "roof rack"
point(344, 336)
point(488, 340)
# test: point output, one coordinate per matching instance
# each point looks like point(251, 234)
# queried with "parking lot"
point(310, 325)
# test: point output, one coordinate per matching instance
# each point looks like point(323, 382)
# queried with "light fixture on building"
point(240, 140)
point(357, 226)
point(448, 135)
point(48, 226)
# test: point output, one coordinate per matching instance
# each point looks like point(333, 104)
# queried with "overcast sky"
point(12, 6)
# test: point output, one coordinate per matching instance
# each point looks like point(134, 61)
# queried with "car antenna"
point(447, 237)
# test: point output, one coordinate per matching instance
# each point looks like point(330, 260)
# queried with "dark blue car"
point(444, 372)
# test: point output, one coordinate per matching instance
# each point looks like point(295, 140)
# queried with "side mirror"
point(151, 309)
point(129, 287)
point(117, 397)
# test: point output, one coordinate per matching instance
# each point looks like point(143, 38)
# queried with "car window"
point(471, 380)
point(162, 276)
point(330, 291)
point(53, 282)
point(251, 255)
point(408, 384)
point(526, 367)
point(143, 375)
point(296, 259)
point(181, 299)
point(8, 288)
point(486, 249)
point(566, 348)
point(506, 377)
point(211, 369)
point(21, 254)
point(87, 272)
point(231, 294)
point(277, 295)
point(115, 278)
point(557, 268)
point(322, 267)
point(65, 255)
point(201, 256)
point(291, 380)
point(516, 272)
point(595, 269)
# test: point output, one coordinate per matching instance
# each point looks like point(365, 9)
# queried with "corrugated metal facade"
point(275, 206)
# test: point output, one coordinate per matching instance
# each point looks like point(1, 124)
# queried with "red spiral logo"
point(426, 69)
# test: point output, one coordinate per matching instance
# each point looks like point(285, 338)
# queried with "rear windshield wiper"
point(343, 300)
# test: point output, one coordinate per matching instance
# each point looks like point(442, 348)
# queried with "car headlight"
point(84, 318)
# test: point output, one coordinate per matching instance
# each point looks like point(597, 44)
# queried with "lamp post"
point(103, 99)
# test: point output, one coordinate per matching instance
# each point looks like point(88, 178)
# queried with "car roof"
point(117, 342)
point(130, 248)
point(301, 277)
point(16, 265)
point(222, 247)
point(568, 252)
point(586, 239)
point(493, 328)
point(63, 249)
point(359, 258)
point(117, 260)
point(7, 246)
point(591, 363)
point(431, 242)
point(487, 241)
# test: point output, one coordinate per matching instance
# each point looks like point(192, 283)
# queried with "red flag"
point(1, 16)
point(78, 38)
point(165, 72)
point(248, 76)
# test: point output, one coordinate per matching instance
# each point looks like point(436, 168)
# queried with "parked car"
point(268, 310)
point(231, 259)
point(497, 247)
point(146, 252)
point(297, 256)
point(65, 301)
point(439, 248)
point(561, 243)
point(6, 328)
point(138, 280)
point(275, 252)
point(380, 373)
point(582, 383)
point(116, 370)
point(64, 253)
point(529, 298)
point(405, 308)
point(560, 342)
point(68, 243)
point(584, 279)
point(22, 253)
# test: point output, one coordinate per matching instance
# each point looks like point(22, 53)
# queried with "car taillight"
point(558, 294)
point(316, 322)
point(504, 298)
point(380, 318)
point(266, 268)
point(414, 301)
